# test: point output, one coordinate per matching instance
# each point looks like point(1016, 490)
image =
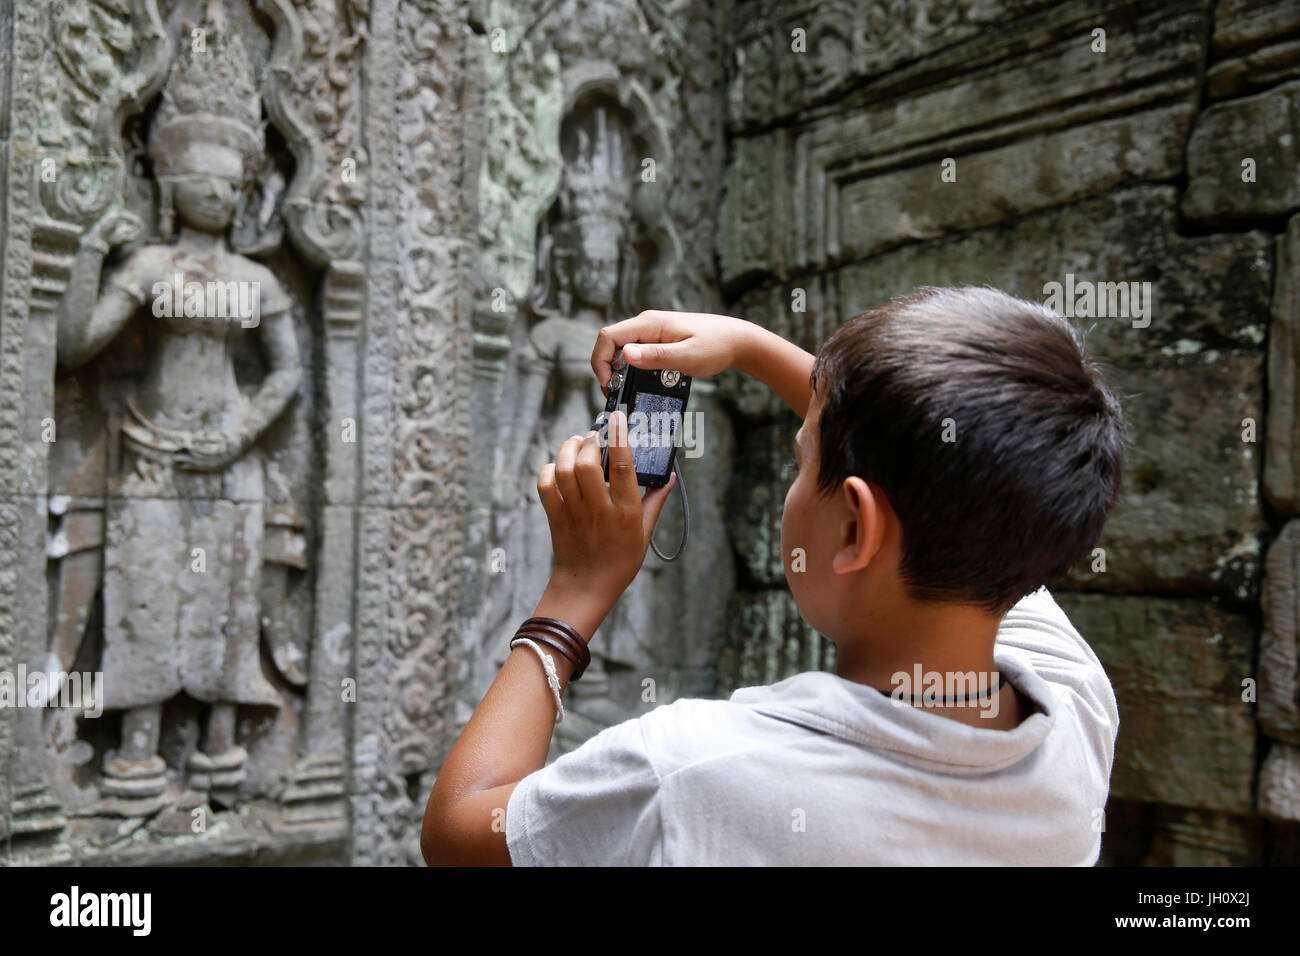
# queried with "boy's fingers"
point(602, 356)
point(564, 476)
point(622, 469)
point(642, 328)
point(591, 476)
point(549, 492)
point(653, 503)
point(654, 356)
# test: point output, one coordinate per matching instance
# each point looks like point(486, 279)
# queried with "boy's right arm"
point(699, 344)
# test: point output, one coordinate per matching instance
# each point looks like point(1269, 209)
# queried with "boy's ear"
point(862, 529)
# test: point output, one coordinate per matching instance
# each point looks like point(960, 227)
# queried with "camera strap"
point(686, 519)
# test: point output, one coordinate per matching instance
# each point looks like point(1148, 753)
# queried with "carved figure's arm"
point(284, 373)
point(87, 320)
point(536, 370)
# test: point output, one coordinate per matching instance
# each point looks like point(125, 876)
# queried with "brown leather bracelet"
point(580, 654)
point(563, 632)
point(556, 646)
point(564, 636)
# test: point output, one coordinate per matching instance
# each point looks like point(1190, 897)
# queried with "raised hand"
point(695, 343)
point(599, 532)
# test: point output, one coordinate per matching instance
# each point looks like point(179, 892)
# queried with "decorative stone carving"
point(184, 534)
point(397, 173)
point(423, 126)
point(92, 65)
point(593, 248)
point(184, 521)
point(652, 72)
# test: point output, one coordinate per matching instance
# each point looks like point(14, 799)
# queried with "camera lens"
point(670, 378)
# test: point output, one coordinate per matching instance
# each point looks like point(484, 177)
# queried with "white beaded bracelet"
point(552, 678)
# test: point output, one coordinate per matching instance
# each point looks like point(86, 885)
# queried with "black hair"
point(990, 430)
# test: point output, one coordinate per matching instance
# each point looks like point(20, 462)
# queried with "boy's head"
point(959, 440)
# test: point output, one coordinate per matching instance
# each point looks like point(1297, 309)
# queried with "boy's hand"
point(694, 343)
point(599, 533)
point(699, 345)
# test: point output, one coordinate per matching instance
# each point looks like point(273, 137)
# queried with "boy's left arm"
point(599, 535)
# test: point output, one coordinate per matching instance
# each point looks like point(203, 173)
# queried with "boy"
point(959, 451)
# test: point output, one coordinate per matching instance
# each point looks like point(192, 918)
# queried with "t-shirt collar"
point(831, 704)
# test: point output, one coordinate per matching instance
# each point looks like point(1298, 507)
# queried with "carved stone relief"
point(621, 222)
point(183, 367)
point(267, 521)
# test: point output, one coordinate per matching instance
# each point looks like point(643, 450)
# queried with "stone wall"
point(877, 147)
point(403, 176)
point(430, 190)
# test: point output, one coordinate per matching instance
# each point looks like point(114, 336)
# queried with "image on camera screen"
point(652, 432)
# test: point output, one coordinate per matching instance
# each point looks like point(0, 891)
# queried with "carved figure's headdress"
point(210, 97)
point(597, 181)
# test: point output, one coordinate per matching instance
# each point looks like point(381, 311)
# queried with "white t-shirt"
point(819, 770)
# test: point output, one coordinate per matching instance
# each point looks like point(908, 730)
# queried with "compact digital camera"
point(655, 404)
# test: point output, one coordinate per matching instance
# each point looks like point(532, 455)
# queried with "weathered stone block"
point(1282, 449)
point(764, 471)
point(1187, 837)
point(1046, 122)
point(769, 642)
point(1265, 129)
point(788, 57)
point(756, 209)
point(1207, 291)
point(1279, 642)
point(1186, 737)
point(867, 214)
point(1279, 783)
point(793, 59)
point(1189, 478)
point(1256, 44)
point(799, 312)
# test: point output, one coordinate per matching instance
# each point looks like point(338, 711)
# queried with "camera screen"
point(653, 428)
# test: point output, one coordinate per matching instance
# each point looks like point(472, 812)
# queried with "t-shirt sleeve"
point(598, 805)
point(1039, 631)
point(1037, 626)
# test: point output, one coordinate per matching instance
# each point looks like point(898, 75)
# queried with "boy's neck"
point(893, 639)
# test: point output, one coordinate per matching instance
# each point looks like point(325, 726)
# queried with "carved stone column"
point(36, 808)
point(317, 790)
